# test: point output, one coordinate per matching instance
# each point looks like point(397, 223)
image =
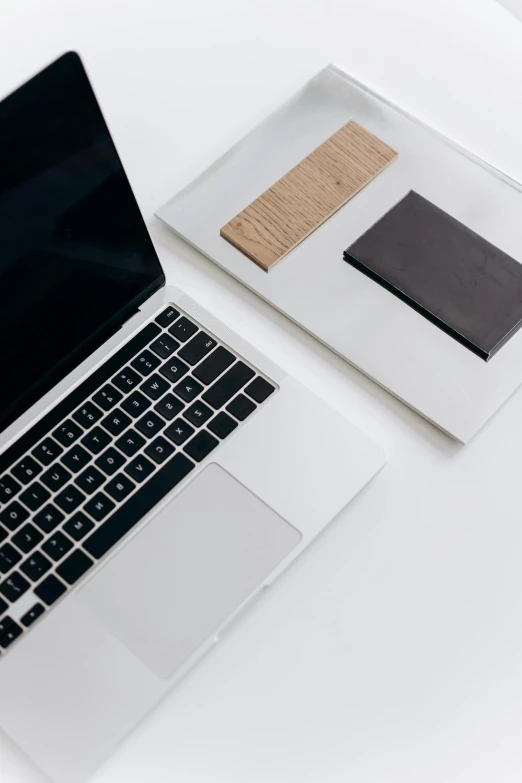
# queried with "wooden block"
point(307, 195)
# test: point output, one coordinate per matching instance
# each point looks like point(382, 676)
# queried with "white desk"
point(392, 651)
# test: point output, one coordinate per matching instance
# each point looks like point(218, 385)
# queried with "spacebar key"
point(138, 505)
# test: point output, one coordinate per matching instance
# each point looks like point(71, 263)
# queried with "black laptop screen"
point(75, 255)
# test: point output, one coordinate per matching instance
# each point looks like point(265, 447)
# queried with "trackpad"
point(191, 567)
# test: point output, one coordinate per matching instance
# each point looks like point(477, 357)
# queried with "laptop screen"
point(75, 256)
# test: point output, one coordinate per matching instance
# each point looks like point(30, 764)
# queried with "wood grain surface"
point(285, 214)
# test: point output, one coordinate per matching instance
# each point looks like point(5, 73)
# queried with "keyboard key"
point(99, 506)
point(69, 499)
point(169, 407)
point(87, 415)
point(3, 606)
point(67, 433)
point(36, 566)
point(201, 445)
point(56, 477)
point(130, 443)
point(241, 407)
point(76, 458)
point(74, 567)
point(47, 451)
point(5, 622)
point(146, 363)
point(174, 369)
point(136, 404)
point(78, 526)
point(107, 397)
point(188, 389)
point(35, 496)
point(57, 546)
point(214, 365)
point(222, 425)
point(126, 380)
point(259, 389)
point(116, 422)
point(183, 329)
point(3, 533)
point(198, 413)
point(26, 470)
point(126, 517)
point(32, 615)
point(228, 385)
point(8, 489)
point(90, 480)
point(119, 487)
point(9, 632)
point(164, 346)
point(27, 538)
point(139, 468)
point(50, 590)
point(150, 424)
point(179, 431)
point(9, 557)
point(193, 351)
point(159, 450)
point(96, 440)
point(13, 515)
point(167, 316)
point(48, 518)
point(154, 387)
point(110, 461)
point(14, 586)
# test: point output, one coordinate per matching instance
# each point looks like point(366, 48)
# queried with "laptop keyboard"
point(84, 475)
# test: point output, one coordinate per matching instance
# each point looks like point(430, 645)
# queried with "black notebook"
point(448, 273)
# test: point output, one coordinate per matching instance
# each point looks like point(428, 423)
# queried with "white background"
point(392, 651)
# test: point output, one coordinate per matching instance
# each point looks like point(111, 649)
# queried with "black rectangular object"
point(452, 276)
point(214, 365)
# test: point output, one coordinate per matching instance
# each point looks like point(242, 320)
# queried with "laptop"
point(157, 472)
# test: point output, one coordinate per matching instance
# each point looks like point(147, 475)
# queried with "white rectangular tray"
point(317, 289)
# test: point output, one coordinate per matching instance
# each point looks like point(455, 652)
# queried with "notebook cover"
point(448, 273)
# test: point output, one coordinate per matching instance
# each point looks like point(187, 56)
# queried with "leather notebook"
point(448, 273)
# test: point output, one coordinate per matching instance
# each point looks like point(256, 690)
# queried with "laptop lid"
point(76, 259)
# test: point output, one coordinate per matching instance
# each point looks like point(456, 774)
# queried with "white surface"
point(392, 651)
point(361, 321)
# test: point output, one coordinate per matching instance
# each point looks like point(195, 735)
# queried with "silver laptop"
point(157, 472)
